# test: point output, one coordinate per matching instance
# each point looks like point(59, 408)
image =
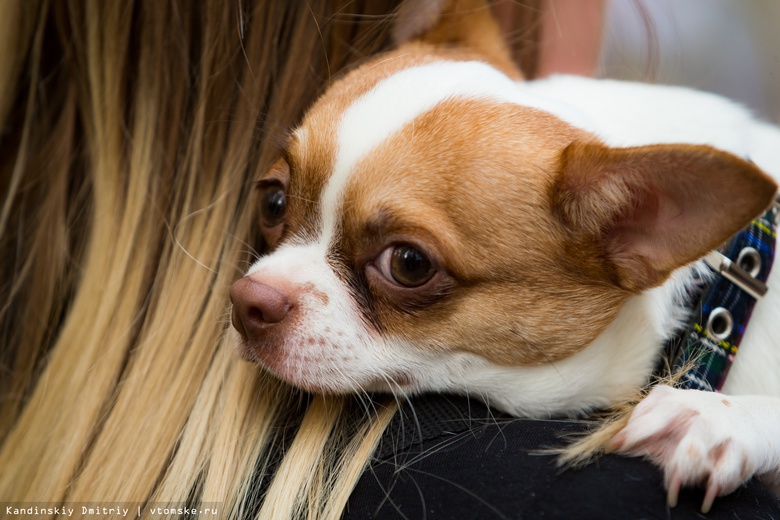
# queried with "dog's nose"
point(256, 306)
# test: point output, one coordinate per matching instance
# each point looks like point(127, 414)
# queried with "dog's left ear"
point(649, 210)
point(460, 24)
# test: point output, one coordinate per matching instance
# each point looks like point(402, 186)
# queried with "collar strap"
point(721, 305)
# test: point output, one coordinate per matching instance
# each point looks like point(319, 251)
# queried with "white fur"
point(329, 348)
point(608, 370)
point(330, 335)
point(632, 114)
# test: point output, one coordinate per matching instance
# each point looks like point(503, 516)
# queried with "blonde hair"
point(131, 134)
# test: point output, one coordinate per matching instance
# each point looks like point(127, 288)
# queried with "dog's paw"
point(697, 438)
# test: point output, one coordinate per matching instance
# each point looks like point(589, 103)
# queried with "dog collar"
point(721, 305)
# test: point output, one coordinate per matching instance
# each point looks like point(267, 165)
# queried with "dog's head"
point(426, 207)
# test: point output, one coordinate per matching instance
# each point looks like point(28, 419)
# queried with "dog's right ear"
point(459, 24)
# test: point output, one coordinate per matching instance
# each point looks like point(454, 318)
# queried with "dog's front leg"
point(704, 439)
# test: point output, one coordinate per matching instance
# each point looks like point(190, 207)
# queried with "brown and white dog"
point(435, 224)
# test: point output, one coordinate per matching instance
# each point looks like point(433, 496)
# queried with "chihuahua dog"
point(437, 224)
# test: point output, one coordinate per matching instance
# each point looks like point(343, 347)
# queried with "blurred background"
point(731, 47)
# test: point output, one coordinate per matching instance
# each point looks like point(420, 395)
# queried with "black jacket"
point(453, 458)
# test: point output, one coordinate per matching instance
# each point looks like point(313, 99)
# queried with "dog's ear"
point(649, 210)
point(464, 24)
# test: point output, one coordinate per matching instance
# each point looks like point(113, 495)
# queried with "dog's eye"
point(273, 204)
point(405, 265)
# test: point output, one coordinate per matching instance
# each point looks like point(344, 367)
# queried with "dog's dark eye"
point(273, 204)
point(405, 265)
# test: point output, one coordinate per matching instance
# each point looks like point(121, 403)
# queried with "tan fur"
point(471, 170)
point(640, 205)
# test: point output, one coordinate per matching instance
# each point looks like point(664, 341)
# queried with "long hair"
point(130, 136)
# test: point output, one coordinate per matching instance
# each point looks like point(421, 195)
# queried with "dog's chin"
point(319, 382)
point(246, 350)
point(318, 376)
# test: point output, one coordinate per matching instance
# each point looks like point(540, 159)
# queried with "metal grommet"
point(720, 324)
point(750, 261)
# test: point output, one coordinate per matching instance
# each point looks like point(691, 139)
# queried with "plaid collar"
point(721, 305)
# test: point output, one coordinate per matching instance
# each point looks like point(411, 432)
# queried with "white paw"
point(697, 438)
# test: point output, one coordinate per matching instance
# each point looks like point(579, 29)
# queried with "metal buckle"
point(736, 275)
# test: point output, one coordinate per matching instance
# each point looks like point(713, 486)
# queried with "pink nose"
point(256, 306)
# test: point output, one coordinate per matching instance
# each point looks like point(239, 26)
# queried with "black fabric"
point(452, 458)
